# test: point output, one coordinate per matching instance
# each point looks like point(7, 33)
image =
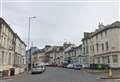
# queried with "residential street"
point(59, 75)
point(62, 40)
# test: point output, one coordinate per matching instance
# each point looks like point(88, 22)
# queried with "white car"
point(85, 66)
point(38, 69)
point(70, 66)
point(46, 64)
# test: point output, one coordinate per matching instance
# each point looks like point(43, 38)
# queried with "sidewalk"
point(10, 77)
point(95, 71)
point(103, 73)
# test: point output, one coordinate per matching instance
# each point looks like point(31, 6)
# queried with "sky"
point(57, 21)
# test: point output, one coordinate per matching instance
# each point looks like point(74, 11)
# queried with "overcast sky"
point(58, 20)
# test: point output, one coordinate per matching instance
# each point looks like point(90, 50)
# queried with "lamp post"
point(29, 52)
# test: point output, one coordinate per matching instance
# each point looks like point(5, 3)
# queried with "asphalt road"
point(59, 75)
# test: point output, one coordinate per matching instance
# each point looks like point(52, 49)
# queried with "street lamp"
point(29, 52)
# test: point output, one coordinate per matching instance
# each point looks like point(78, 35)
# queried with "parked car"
point(47, 64)
point(77, 66)
point(85, 66)
point(65, 63)
point(70, 66)
point(38, 69)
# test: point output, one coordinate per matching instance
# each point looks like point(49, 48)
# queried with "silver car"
point(38, 69)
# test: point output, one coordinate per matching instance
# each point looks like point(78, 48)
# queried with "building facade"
point(51, 53)
point(19, 58)
point(103, 45)
point(38, 57)
point(60, 55)
point(74, 55)
point(8, 47)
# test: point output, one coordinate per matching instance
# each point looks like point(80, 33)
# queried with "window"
point(9, 60)
point(107, 47)
point(23, 61)
point(98, 60)
point(108, 60)
point(97, 47)
point(4, 41)
point(86, 41)
point(93, 48)
point(103, 60)
point(101, 35)
point(87, 50)
point(2, 57)
point(102, 47)
point(115, 58)
point(83, 50)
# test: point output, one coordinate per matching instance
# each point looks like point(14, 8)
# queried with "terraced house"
point(38, 57)
point(12, 50)
point(103, 45)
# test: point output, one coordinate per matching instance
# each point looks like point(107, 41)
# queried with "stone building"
point(86, 42)
point(69, 53)
point(79, 55)
point(19, 58)
point(11, 47)
point(60, 55)
point(38, 57)
point(103, 45)
point(51, 53)
point(74, 54)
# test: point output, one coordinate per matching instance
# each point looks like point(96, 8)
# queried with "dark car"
point(77, 66)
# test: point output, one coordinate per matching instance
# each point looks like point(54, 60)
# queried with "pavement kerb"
point(95, 71)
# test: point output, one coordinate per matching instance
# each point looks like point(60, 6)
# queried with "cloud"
point(56, 22)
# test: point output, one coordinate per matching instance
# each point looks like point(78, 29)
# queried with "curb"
point(95, 71)
point(7, 77)
point(110, 78)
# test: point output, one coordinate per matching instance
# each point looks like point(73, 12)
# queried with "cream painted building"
point(51, 53)
point(39, 57)
point(8, 49)
point(86, 42)
point(55, 55)
point(19, 58)
point(59, 55)
point(103, 45)
point(74, 54)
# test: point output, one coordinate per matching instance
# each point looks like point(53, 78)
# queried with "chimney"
point(100, 25)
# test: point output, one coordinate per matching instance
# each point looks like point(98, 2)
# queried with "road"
point(59, 75)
